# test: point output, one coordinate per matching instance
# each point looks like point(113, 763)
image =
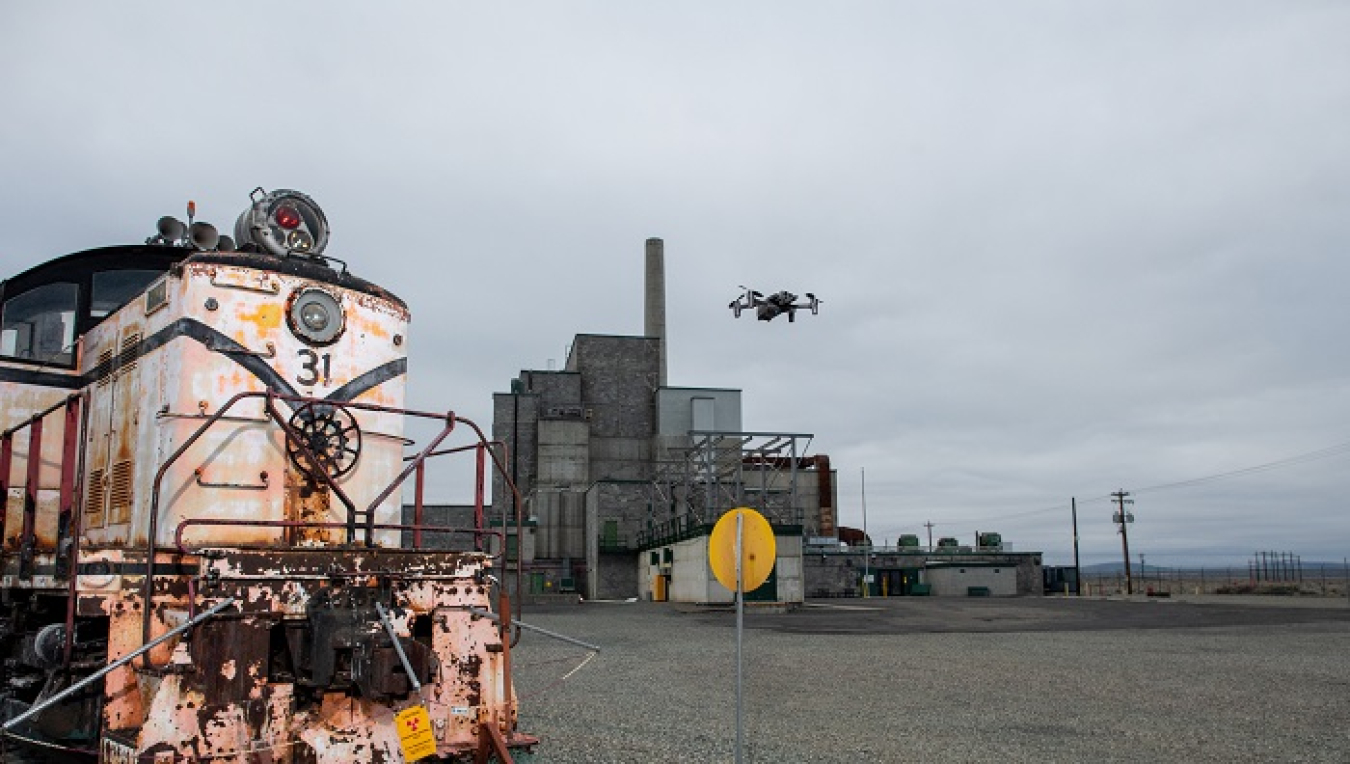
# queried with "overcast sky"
point(1064, 248)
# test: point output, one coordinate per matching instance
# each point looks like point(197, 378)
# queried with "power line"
point(1322, 453)
point(1016, 515)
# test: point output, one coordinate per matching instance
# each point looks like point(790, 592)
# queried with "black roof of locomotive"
point(79, 268)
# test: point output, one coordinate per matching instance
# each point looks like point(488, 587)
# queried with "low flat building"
point(835, 571)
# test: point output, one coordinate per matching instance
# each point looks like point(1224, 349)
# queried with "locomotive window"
point(113, 289)
point(39, 325)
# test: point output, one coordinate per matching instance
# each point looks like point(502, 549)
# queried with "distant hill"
point(1118, 568)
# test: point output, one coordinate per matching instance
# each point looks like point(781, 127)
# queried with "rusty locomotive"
point(203, 447)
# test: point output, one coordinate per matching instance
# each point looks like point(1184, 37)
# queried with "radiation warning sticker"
point(414, 733)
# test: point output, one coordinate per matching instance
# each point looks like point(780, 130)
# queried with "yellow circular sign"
point(758, 549)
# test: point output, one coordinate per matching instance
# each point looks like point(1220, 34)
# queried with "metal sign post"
point(741, 552)
point(740, 623)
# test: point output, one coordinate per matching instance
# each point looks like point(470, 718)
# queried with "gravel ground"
point(919, 680)
point(663, 687)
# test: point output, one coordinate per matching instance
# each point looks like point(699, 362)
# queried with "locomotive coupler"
point(343, 646)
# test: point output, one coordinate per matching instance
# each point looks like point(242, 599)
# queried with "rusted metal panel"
point(248, 316)
point(98, 575)
point(22, 402)
point(227, 700)
point(115, 365)
point(32, 464)
point(122, 692)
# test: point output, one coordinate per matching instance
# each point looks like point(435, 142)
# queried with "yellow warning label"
point(414, 733)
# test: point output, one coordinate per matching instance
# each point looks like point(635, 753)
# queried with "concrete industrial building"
point(611, 466)
point(623, 476)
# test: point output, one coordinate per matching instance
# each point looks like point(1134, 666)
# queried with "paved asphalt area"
point(914, 615)
point(1219, 679)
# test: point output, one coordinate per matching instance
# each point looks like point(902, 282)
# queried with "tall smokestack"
point(655, 303)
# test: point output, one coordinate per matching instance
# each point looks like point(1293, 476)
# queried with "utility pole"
point(1123, 518)
point(867, 542)
point(1077, 571)
point(929, 526)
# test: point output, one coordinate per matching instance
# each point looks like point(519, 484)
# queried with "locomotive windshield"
point(113, 289)
point(39, 325)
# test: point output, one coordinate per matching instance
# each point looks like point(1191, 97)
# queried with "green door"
point(909, 578)
point(767, 591)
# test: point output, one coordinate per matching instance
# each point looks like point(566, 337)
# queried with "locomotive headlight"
point(315, 316)
point(287, 216)
point(299, 241)
point(283, 222)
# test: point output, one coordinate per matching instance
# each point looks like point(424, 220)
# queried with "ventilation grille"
point(119, 499)
point(126, 360)
point(93, 500)
point(104, 368)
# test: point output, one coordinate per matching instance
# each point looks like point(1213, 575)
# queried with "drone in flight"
point(776, 304)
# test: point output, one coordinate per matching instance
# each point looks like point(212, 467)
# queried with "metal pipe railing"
point(415, 465)
point(517, 622)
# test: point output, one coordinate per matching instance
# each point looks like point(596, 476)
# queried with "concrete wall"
point(956, 580)
point(692, 579)
point(441, 516)
point(515, 418)
point(675, 409)
point(561, 516)
point(619, 377)
point(790, 571)
point(617, 577)
point(613, 458)
point(564, 446)
point(559, 392)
